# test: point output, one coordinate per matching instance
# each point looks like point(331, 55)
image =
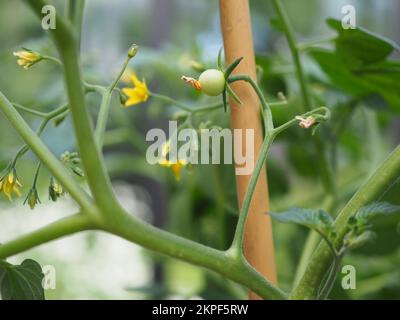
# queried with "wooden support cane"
point(238, 42)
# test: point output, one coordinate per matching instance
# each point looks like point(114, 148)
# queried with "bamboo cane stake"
point(238, 42)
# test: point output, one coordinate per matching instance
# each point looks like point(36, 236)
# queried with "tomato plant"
point(330, 110)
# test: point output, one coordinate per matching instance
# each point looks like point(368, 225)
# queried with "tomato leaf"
point(360, 46)
point(318, 220)
point(21, 282)
point(376, 209)
point(382, 78)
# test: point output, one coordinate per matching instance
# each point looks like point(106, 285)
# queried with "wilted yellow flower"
point(32, 199)
point(306, 123)
point(27, 58)
point(139, 93)
point(9, 184)
point(176, 166)
point(192, 82)
point(55, 190)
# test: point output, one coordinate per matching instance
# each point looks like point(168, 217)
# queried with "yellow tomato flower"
point(139, 93)
point(9, 184)
point(175, 166)
point(27, 58)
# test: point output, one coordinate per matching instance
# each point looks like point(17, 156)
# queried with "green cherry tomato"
point(212, 82)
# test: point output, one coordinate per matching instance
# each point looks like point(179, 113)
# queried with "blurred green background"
point(202, 206)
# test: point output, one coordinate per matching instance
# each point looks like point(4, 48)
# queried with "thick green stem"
point(115, 219)
point(289, 33)
point(237, 244)
point(75, 16)
point(324, 167)
point(222, 262)
point(267, 118)
point(44, 154)
point(383, 178)
point(55, 230)
point(92, 159)
point(330, 280)
point(238, 239)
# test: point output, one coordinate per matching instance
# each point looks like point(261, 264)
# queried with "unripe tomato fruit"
point(212, 82)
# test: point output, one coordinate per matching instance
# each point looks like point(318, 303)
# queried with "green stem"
point(75, 16)
point(44, 154)
point(222, 262)
point(310, 244)
point(92, 159)
point(237, 243)
point(267, 118)
point(36, 176)
point(52, 59)
point(195, 109)
point(172, 101)
point(102, 118)
point(28, 110)
point(47, 117)
point(289, 33)
point(55, 230)
point(277, 104)
point(382, 179)
point(314, 43)
point(207, 107)
point(105, 107)
point(330, 280)
point(115, 219)
point(116, 80)
point(324, 168)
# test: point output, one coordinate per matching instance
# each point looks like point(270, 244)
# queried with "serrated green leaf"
point(382, 78)
point(376, 209)
point(22, 282)
point(361, 46)
point(318, 220)
point(341, 76)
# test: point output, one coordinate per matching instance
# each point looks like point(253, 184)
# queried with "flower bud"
point(123, 98)
point(133, 51)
